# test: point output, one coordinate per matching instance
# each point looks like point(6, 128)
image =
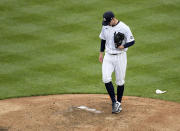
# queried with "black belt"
point(113, 54)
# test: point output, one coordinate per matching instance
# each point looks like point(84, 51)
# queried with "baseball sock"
point(120, 90)
point(110, 90)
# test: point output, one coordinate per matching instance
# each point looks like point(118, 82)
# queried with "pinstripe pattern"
point(117, 64)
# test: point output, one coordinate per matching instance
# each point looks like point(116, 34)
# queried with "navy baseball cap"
point(107, 17)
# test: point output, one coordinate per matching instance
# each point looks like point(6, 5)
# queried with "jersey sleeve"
point(101, 35)
point(129, 35)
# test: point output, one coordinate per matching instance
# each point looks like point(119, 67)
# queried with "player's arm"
point(103, 42)
point(129, 39)
point(102, 48)
point(129, 44)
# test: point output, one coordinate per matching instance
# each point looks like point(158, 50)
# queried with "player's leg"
point(107, 69)
point(120, 72)
point(120, 91)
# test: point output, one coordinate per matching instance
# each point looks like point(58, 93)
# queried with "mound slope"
point(60, 112)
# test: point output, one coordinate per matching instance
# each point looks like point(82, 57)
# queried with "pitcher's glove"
point(118, 39)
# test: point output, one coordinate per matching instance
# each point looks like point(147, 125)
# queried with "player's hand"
point(100, 57)
point(121, 47)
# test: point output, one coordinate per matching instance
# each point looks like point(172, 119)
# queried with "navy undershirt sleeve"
point(129, 44)
point(103, 42)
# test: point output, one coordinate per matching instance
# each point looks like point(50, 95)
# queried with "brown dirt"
point(60, 112)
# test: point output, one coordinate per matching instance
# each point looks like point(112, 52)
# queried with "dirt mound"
point(61, 112)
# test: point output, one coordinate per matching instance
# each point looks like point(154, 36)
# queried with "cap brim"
point(105, 23)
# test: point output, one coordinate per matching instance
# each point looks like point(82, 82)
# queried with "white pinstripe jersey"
point(107, 33)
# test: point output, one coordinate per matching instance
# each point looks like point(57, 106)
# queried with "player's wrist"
point(101, 53)
point(121, 47)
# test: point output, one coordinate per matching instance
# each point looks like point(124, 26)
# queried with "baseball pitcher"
point(115, 37)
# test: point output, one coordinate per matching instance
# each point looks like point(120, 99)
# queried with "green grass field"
point(52, 47)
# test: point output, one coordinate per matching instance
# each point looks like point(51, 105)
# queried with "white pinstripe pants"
point(115, 63)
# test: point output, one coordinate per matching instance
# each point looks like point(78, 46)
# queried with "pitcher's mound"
point(87, 112)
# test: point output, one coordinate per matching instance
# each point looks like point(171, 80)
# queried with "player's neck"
point(115, 22)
